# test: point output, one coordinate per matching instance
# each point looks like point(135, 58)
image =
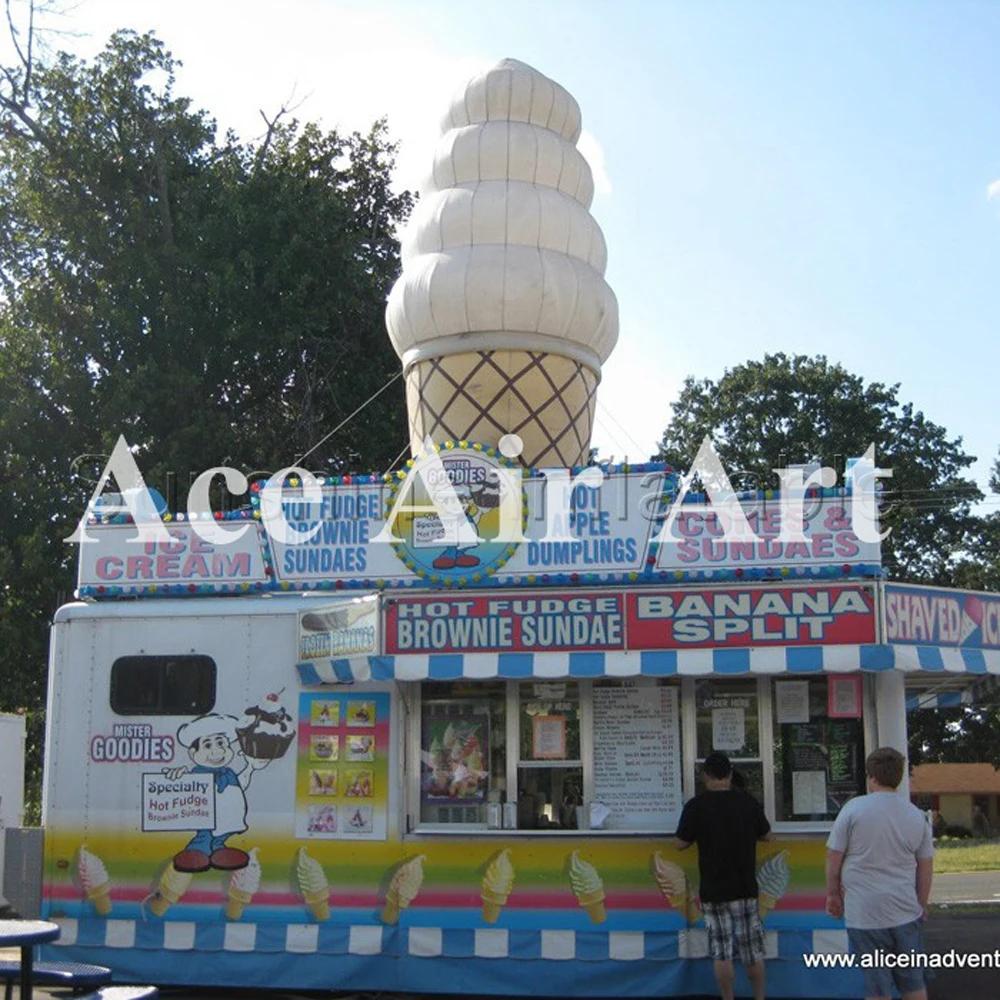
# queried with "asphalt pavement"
point(966, 887)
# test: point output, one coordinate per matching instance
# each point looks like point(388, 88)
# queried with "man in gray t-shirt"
point(879, 864)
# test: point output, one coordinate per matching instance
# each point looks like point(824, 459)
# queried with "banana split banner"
point(657, 619)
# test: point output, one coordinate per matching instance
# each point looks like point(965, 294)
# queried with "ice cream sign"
point(183, 561)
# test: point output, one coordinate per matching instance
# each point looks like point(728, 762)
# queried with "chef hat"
point(207, 725)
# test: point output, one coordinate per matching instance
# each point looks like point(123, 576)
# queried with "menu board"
point(342, 776)
point(637, 754)
point(823, 766)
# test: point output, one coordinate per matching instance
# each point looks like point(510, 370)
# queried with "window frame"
point(159, 710)
point(585, 685)
point(687, 717)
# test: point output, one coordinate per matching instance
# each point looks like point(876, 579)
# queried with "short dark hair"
point(717, 765)
point(885, 766)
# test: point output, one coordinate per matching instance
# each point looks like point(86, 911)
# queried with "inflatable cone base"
point(546, 399)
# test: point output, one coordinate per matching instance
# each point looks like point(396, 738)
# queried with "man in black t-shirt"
point(726, 825)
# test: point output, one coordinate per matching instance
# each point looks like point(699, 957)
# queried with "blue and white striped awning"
point(918, 700)
point(652, 663)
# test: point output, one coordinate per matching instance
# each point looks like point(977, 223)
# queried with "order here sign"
point(671, 618)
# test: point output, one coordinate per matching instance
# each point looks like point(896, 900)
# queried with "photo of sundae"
point(267, 730)
point(360, 820)
point(325, 713)
point(361, 748)
point(358, 784)
point(452, 765)
point(322, 781)
point(361, 713)
point(323, 747)
point(322, 819)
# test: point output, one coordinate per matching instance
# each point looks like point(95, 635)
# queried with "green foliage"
point(217, 302)
point(961, 735)
point(763, 415)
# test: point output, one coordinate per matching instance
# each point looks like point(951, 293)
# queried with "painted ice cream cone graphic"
point(587, 887)
point(403, 888)
point(502, 317)
point(313, 885)
point(773, 877)
point(95, 881)
point(673, 885)
point(243, 885)
point(498, 882)
point(172, 885)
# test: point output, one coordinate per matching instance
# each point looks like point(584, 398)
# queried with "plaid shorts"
point(734, 930)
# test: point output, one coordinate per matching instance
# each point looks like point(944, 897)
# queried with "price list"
point(637, 755)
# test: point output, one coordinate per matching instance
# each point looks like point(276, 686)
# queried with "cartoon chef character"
point(210, 741)
point(480, 504)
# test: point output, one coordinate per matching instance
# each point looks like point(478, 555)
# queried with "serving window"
point(819, 747)
point(623, 754)
point(727, 719)
point(548, 755)
point(462, 755)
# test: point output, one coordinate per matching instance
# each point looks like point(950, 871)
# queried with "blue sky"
point(798, 177)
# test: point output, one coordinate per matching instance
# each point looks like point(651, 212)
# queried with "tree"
point(960, 735)
point(219, 302)
point(979, 569)
point(763, 415)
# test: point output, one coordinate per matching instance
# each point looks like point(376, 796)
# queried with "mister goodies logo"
point(448, 512)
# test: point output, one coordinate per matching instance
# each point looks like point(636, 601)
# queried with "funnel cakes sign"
point(465, 515)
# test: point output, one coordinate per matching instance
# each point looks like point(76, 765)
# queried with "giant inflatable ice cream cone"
point(502, 317)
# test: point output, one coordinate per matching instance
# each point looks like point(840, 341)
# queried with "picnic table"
point(25, 934)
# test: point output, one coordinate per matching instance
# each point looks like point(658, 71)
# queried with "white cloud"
point(593, 153)
point(993, 190)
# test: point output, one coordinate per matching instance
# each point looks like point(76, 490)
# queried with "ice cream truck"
point(450, 757)
point(398, 776)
